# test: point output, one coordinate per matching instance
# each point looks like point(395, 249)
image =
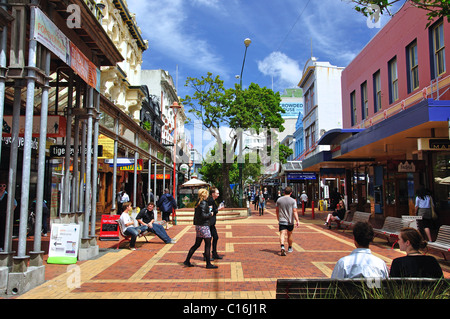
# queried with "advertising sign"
point(56, 126)
point(291, 109)
point(109, 229)
point(48, 34)
point(63, 247)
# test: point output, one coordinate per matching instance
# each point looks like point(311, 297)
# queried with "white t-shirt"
point(423, 203)
point(125, 218)
point(360, 264)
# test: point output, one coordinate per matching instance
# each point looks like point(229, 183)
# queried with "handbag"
point(434, 216)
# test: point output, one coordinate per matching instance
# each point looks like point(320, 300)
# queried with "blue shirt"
point(360, 264)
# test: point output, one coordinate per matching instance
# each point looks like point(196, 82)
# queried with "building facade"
point(395, 106)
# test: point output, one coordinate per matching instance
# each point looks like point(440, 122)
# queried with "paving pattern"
point(249, 269)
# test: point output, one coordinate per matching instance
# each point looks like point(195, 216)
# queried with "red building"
point(396, 111)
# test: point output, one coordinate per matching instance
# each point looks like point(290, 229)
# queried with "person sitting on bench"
point(146, 218)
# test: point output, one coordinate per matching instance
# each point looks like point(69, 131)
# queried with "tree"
point(254, 108)
point(436, 9)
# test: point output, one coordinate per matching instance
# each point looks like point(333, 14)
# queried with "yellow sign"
point(108, 146)
point(131, 167)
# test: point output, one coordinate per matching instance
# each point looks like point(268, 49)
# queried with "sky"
point(189, 38)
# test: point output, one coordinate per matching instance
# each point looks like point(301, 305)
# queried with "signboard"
point(140, 166)
point(109, 229)
point(63, 246)
point(48, 34)
point(301, 176)
point(433, 144)
point(60, 150)
point(56, 126)
point(291, 109)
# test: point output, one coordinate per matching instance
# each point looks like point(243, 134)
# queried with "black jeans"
point(198, 242)
point(215, 238)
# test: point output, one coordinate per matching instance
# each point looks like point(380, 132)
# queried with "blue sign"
point(301, 176)
point(291, 109)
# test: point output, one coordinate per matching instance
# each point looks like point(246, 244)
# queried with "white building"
point(321, 84)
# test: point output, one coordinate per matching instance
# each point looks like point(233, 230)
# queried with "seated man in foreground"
point(146, 218)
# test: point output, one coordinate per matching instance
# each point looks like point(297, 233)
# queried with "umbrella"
point(195, 183)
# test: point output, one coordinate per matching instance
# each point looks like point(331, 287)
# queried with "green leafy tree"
point(254, 108)
point(435, 9)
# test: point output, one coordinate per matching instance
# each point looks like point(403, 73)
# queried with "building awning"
point(398, 135)
point(331, 136)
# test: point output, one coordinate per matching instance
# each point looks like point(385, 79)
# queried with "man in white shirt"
point(361, 263)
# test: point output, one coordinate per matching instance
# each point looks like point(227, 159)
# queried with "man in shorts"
point(286, 213)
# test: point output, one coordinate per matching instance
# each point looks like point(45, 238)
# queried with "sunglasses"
point(2, 185)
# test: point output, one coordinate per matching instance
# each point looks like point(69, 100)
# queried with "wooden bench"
point(442, 242)
point(369, 288)
point(391, 228)
point(338, 222)
point(357, 217)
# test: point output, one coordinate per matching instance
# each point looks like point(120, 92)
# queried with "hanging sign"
point(63, 246)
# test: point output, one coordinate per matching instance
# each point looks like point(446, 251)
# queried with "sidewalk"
point(249, 270)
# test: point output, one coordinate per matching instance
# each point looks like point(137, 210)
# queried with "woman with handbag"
point(424, 209)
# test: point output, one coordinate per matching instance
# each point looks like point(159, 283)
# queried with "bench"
point(128, 238)
point(391, 228)
point(369, 288)
point(357, 217)
point(442, 242)
point(338, 222)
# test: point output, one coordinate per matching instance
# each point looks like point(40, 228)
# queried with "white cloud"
point(284, 70)
point(166, 26)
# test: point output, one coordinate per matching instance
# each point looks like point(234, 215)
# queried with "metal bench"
point(391, 228)
point(357, 217)
point(442, 242)
point(128, 238)
point(368, 288)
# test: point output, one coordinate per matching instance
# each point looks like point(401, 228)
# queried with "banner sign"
point(63, 246)
point(56, 126)
point(48, 34)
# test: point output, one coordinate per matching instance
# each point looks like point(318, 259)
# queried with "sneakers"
point(132, 248)
point(283, 250)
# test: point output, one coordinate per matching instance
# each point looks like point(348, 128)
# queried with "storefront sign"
point(406, 167)
point(301, 176)
point(56, 126)
point(140, 166)
point(60, 150)
point(433, 144)
point(63, 246)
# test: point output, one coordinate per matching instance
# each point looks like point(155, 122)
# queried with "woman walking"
point(202, 221)
point(423, 208)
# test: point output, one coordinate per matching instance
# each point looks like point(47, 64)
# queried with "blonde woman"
point(202, 218)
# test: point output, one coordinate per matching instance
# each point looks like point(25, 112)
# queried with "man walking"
point(215, 236)
point(286, 213)
point(166, 205)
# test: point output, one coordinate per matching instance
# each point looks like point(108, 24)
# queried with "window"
point(364, 101)
point(353, 107)
point(438, 49)
point(412, 67)
point(309, 99)
point(377, 91)
point(393, 80)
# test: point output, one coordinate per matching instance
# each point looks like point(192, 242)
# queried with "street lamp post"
point(175, 107)
point(247, 42)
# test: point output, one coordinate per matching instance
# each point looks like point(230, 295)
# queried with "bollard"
point(303, 208)
point(312, 207)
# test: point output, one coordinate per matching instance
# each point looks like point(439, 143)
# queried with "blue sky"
point(200, 36)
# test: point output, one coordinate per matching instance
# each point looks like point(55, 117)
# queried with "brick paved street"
point(249, 269)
